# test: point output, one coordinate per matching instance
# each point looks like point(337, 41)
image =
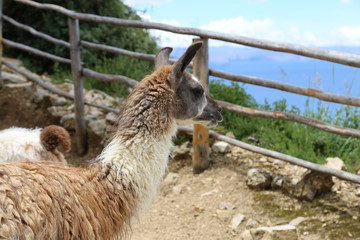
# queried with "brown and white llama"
point(44, 200)
point(34, 144)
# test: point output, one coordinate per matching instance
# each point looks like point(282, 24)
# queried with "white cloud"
point(171, 39)
point(351, 34)
point(346, 1)
point(265, 29)
point(262, 28)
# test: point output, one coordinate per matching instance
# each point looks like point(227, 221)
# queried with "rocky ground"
point(217, 204)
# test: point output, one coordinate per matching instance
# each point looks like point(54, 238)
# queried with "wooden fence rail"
point(78, 71)
point(340, 174)
point(310, 92)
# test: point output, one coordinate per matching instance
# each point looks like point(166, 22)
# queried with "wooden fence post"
point(201, 133)
point(81, 134)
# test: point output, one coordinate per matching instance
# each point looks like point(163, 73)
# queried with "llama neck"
point(139, 151)
point(140, 161)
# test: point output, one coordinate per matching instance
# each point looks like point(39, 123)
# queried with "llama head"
point(190, 99)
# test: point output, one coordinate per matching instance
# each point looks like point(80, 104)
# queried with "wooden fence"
point(200, 69)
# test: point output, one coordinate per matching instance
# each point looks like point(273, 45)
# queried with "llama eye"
point(198, 91)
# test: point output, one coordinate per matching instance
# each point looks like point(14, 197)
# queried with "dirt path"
point(203, 206)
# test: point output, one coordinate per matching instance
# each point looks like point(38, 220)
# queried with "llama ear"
point(162, 57)
point(184, 61)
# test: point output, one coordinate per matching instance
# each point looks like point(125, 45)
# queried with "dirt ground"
point(203, 206)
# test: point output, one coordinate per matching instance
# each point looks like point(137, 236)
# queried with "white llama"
point(34, 144)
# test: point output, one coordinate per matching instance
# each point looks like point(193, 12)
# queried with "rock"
point(263, 159)
point(19, 85)
point(221, 147)
point(237, 220)
point(214, 191)
point(178, 189)
point(68, 121)
point(57, 111)
point(258, 179)
point(57, 100)
point(252, 223)
point(111, 117)
point(296, 221)
point(313, 184)
point(171, 178)
point(237, 151)
point(98, 127)
point(357, 193)
point(335, 163)
point(280, 232)
point(12, 77)
point(230, 135)
point(279, 182)
point(39, 95)
point(224, 214)
point(246, 235)
point(226, 206)
point(67, 87)
point(183, 151)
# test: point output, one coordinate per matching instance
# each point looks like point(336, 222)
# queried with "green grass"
point(291, 138)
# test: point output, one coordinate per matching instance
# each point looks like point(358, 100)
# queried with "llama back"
point(33, 144)
point(20, 143)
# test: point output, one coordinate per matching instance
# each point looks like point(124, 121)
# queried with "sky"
point(319, 23)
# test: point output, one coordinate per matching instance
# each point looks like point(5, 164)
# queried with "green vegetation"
point(55, 24)
point(288, 137)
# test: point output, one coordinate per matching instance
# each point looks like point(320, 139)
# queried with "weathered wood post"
point(81, 134)
point(201, 133)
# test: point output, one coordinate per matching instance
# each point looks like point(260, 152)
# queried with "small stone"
point(237, 220)
point(19, 85)
point(214, 191)
point(111, 117)
point(223, 214)
point(280, 232)
point(178, 189)
point(246, 235)
point(226, 206)
point(221, 147)
point(258, 179)
point(230, 135)
point(68, 121)
point(171, 178)
point(296, 221)
point(335, 163)
point(40, 94)
point(98, 127)
point(357, 193)
point(12, 77)
point(183, 151)
point(263, 159)
point(312, 185)
point(252, 223)
point(57, 111)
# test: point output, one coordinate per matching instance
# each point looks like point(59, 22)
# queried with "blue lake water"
point(311, 73)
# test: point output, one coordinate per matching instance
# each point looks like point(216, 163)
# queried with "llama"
point(45, 200)
point(34, 144)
